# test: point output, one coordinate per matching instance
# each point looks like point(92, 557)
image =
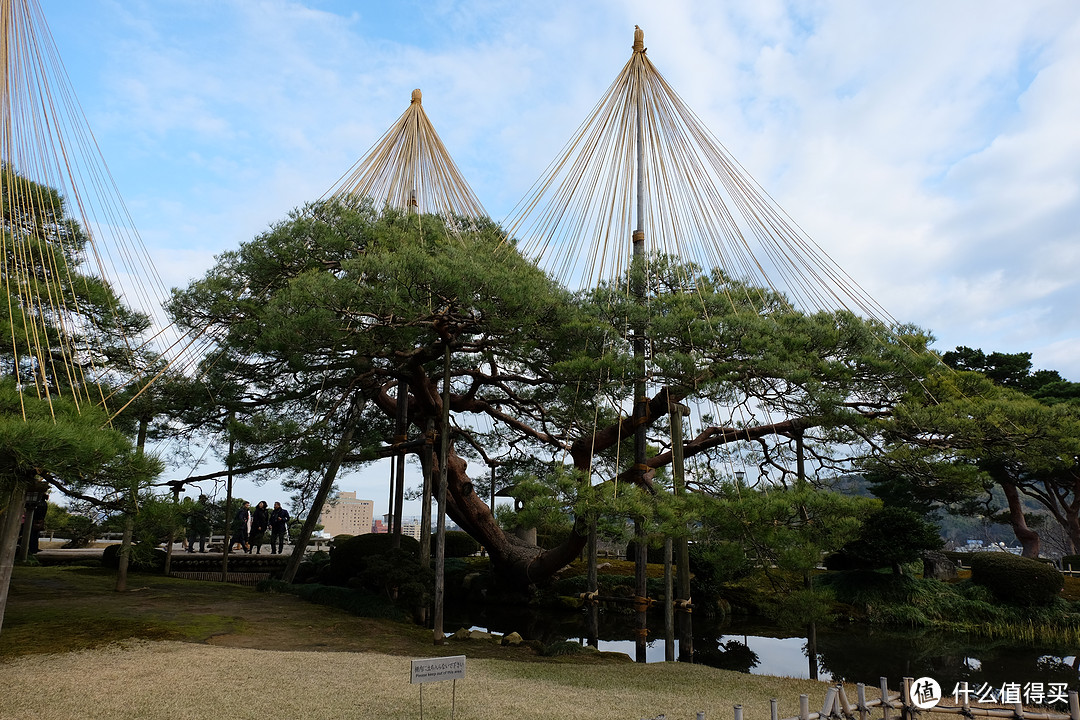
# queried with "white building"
point(345, 515)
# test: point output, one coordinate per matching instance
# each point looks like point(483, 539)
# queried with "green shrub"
point(888, 537)
point(1015, 579)
point(372, 563)
point(397, 575)
point(143, 558)
point(314, 563)
point(459, 544)
point(349, 558)
point(553, 537)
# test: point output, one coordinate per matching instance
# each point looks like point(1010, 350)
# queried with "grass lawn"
point(71, 647)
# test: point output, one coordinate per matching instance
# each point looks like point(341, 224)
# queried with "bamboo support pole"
point(837, 705)
point(830, 699)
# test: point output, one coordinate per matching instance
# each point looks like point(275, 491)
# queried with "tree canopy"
point(317, 321)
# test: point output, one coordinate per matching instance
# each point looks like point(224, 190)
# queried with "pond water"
point(850, 654)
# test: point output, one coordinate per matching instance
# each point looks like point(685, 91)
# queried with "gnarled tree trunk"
point(1029, 539)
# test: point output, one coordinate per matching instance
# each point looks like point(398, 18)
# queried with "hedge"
point(1015, 579)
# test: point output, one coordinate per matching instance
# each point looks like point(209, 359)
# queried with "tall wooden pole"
point(682, 550)
point(427, 464)
point(10, 515)
point(638, 341)
point(400, 436)
point(592, 586)
point(227, 538)
point(669, 606)
point(440, 535)
point(129, 517)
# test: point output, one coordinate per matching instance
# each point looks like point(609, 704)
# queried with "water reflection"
point(852, 654)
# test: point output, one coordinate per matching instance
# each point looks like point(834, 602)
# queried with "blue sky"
point(932, 149)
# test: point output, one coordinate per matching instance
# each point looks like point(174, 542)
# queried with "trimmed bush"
point(371, 563)
point(349, 558)
point(459, 544)
point(144, 558)
point(1017, 580)
point(313, 564)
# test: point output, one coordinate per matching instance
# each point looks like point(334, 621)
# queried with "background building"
point(345, 515)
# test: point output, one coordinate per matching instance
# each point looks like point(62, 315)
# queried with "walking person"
point(241, 527)
point(198, 525)
point(260, 518)
point(279, 526)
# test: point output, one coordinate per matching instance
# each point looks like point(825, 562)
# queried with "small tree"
point(890, 537)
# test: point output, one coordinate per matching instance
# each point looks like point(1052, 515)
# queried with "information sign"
point(436, 669)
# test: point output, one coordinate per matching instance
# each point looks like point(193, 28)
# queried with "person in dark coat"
point(241, 527)
point(279, 527)
point(198, 525)
point(260, 519)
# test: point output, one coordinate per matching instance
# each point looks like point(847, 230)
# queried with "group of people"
point(249, 527)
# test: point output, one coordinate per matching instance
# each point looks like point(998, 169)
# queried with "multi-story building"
point(409, 526)
point(345, 515)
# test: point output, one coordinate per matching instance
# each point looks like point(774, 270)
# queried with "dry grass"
point(71, 647)
point(174, 680)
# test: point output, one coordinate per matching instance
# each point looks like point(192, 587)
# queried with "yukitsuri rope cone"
point(410, 169)
point(68, 242)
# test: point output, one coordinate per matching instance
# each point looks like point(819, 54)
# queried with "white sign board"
point(436, 669)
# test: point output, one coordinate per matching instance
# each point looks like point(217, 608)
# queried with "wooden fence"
point(900, 706)
point(239, 578)
point(837, 706)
